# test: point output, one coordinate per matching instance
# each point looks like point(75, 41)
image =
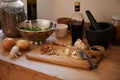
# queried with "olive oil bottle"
point(77, 23)
point(31, 9)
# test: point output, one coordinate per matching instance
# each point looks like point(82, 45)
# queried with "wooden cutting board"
point(59, 57)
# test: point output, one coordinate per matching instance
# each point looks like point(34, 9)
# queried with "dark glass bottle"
point(77, 23)
point(31, 9)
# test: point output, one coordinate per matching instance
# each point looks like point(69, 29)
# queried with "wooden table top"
point(108, 69)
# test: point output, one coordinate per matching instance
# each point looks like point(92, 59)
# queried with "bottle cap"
point(77, 3)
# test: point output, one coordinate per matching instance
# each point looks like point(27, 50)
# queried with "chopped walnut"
point(47, 50)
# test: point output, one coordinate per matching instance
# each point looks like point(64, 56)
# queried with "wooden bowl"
point(97, 50)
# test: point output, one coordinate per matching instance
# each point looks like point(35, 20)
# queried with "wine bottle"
point(31, 9)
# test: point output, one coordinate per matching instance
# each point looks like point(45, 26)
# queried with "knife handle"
point(92, 64)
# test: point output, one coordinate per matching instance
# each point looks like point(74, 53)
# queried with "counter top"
point(108, 68)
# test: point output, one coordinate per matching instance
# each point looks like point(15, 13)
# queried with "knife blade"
point(93, 65)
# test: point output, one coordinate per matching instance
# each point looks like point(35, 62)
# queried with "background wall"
point(102, 10)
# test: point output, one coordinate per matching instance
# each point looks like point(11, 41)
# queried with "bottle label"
point(77, 5)
point(77, 8)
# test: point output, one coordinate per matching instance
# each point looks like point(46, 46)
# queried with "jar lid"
point(116, 17)
point(63, 20)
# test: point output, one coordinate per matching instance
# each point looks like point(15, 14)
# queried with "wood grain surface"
point(60, 58)
point(25, 69)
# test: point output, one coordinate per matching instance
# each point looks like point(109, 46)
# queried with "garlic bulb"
point(23, 44)
point(15, 52)
point(8, 43)
point(80, 44)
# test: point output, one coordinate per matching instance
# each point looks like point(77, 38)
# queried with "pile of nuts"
point(47, 50)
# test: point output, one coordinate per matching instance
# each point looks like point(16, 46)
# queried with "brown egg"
point(8, 43)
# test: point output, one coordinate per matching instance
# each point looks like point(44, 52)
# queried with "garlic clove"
point(67, 52)
point(74, 53)
point(75, 57)
point(83, 46)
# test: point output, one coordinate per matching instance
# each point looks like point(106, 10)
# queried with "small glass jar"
point(116, 30)
point(12, 13)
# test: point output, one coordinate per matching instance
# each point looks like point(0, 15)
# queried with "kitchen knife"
point(84, 56)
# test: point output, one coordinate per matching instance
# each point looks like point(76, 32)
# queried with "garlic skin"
point(15, 52)
point(83, 46)
point(74, 55)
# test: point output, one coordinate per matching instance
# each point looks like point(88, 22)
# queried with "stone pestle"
point(92, 20)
